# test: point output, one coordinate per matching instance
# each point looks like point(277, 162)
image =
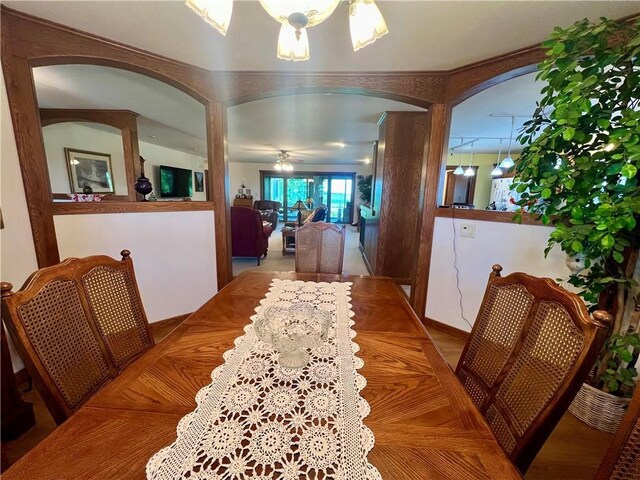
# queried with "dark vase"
point(143, 185)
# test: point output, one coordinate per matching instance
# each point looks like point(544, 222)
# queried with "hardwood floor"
point(573, 450)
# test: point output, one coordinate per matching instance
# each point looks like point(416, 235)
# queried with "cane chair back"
point(52, 320)
point(528, 353)
point(622, 461)
point(116, 307)
point(320, 248)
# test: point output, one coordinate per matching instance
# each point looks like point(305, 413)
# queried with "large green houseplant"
point(579, 170)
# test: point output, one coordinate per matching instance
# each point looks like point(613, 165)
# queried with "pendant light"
point(470, 172)
point(459, 170)
point(508, 162)
point(293, 43)
point(496, 172)
point(216, 13)
point(366, 23)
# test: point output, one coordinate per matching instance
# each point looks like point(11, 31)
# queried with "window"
point(334, 190)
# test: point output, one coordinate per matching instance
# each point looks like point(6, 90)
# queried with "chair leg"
point(265, 253)
point(258, 261)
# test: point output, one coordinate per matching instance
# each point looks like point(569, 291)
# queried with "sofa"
point(268, 210)
point(318, 214)
point(249, 238)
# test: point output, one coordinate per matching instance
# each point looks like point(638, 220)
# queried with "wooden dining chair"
point(77, 325)
point(530, 348)
point(622, 460)
point(320, 248)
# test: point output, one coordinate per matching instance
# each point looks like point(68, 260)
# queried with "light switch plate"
point(468, 230)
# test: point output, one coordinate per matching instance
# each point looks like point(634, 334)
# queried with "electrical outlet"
point(468, 230)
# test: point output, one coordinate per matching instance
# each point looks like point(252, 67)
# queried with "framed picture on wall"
point(199, 176)
point(91, 169)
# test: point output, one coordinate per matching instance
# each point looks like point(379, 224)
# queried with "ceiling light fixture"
point(459, 170)
point(496, 172)
point(282, 162)
point(508, 162)
point(216, 13)
point(366, 23)
point(470, 172)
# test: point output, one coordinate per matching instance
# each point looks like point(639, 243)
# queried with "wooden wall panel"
point(404, 138)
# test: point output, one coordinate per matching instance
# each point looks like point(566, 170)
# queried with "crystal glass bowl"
point(292, 330)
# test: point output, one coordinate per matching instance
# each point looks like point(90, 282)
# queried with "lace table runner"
point(259, 420)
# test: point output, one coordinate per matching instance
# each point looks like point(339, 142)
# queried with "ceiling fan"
point(282, 162)
point(270, 149)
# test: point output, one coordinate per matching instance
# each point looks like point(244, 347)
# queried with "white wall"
point(173, 253)
point(18, 254)
point(80, 136)
point(250, 172)
point(515, 247)
point(155, 156)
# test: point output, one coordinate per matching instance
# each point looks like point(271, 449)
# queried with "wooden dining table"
point(425, 425)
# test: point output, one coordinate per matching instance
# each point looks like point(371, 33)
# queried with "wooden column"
point(35, 176)
point(131, 161)
point(433, 168)
point(218, 178)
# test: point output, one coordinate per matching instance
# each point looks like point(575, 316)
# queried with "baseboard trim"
point(178, 318)
point(443, 327)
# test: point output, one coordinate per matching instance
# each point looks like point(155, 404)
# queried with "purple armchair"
point(248, 237)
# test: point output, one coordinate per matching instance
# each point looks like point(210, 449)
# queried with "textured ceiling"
point(423, 35)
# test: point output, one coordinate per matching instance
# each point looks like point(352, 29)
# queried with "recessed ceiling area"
point(423, 35)
point(168, 117)
point(313, 128)
point(482, 114)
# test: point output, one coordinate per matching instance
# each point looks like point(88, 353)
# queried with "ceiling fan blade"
point(276, 147)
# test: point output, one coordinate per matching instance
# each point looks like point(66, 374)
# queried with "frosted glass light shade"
point(316, 11)
point(469, 172)
point(507, 162)
point(366, 23)
point(216, 13)
point(287, 167)
point(290, 47)
point(277, 166)
point(459, 170)
point(496, 172)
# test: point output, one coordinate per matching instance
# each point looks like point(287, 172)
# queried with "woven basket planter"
point(599, 409)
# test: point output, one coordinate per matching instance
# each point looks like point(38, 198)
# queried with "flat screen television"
point(175, 182)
